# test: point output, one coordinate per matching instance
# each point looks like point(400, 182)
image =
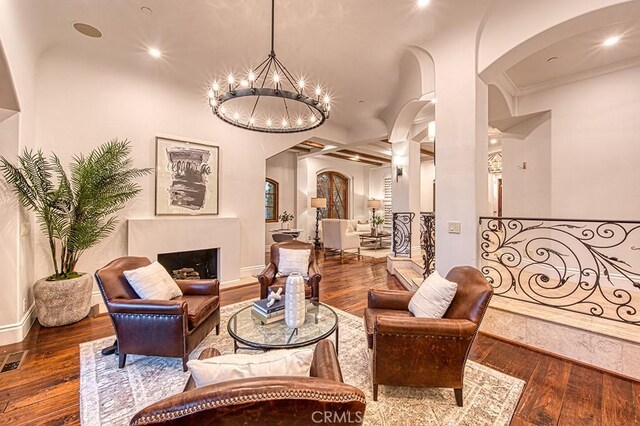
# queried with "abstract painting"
point(186, 178)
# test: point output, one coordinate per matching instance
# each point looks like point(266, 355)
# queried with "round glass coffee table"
point(248, 332)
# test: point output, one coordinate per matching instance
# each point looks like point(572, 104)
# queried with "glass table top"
point(321, 321)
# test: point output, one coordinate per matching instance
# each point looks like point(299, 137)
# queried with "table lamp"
point(318, 203)
point(373, 205)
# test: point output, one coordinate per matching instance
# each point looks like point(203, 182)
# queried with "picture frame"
point(187, 178)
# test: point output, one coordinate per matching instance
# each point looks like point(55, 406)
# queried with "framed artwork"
point(187, 175)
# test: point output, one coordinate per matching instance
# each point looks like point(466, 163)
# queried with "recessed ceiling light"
point(493, 141)
point(611, 41)
point(360, 101)
point(423, 3)
point(88, 30)
point(155, 52)
point(146, 10)
point(553, 58)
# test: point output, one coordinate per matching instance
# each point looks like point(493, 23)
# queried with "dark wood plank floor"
point(45, 389)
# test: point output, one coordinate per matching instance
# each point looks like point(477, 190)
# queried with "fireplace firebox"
point(192, 264)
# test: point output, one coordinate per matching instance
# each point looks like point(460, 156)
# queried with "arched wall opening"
point(560, 100)
point(407, 119)
point(511, 31)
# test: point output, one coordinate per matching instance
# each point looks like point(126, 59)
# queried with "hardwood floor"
point(45, 390)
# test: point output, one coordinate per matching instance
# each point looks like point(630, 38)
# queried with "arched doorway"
point(335, 188)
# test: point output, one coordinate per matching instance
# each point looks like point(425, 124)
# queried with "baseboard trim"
point(16, 332)
point(558, 356)
point(96, 299)
point(249, 271)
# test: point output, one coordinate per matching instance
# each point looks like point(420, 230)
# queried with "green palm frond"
point(76, 212)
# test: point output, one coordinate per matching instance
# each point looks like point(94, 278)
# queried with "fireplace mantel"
point(148, 237)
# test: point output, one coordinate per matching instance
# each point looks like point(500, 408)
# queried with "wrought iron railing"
point(401, 226)
point(428, 241)
point(586, 266)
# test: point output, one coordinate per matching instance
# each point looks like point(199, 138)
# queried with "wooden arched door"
point(335, 188)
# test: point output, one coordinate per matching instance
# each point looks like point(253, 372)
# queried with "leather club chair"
point(426, 352)
point(269, 281)
point(276, 400)
point(171, 328)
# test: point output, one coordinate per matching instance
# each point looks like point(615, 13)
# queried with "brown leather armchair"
point(171, 328)
point(283, 400)
point(410, 351)
point(269, 281)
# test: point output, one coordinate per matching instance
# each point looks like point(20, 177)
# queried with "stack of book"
point(271, 314)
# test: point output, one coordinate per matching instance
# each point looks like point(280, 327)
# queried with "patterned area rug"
point(111, 396)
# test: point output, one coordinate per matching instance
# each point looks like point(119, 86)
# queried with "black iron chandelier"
point(268, 98)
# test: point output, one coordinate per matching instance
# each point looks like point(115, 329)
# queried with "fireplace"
point(191, 264)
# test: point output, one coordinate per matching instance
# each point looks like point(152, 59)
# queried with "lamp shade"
point(374, 204)
point(319, 203)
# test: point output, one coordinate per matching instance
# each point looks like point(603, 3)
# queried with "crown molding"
point(504, 82)
point(579, 76)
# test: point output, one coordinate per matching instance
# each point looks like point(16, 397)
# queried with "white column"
point(305, 190)
point(461, 153)
point(406, 188)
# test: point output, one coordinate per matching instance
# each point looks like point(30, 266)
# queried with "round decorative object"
point(63, 302)
point(294, 301)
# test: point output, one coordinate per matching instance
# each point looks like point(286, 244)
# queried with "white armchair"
point(336, 237)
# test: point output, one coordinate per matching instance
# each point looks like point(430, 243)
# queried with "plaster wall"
point(594, 150)
point(376, 181)
point(21, 52)
point(10, 214)
point(527, 175)
point(102, 101)
point(283, 169)
point(427, 178)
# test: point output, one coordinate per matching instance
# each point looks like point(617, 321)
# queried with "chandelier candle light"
point(268, 98)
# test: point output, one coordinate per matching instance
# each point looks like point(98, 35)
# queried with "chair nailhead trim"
point(119, 314)
point(285, 394)
point(431, 336)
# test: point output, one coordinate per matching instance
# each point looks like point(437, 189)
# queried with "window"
point(271, 200)
point(335, 188)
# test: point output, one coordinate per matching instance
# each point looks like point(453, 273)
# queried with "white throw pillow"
point(288, 362)
point(294, 261)
point(363, 227)
point(153, 282)
point(433, 297)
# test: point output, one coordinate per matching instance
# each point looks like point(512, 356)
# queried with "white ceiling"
point(580, 53)
point(353, 46)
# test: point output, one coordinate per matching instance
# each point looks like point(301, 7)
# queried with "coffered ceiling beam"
point(365, 156)
point(350, 158)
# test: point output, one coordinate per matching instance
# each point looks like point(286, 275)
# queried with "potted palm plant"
point(75, 212)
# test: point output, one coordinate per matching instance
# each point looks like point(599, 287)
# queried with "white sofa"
point(337, 234)
point(352, 227)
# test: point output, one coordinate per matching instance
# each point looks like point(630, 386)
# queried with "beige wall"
point(283, 169)
point(594, 150)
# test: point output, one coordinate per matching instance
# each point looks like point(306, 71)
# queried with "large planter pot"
point(63, 302)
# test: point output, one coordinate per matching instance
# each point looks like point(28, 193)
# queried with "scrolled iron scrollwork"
point(401, 225)
point(584, 266)
point(428, 241)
